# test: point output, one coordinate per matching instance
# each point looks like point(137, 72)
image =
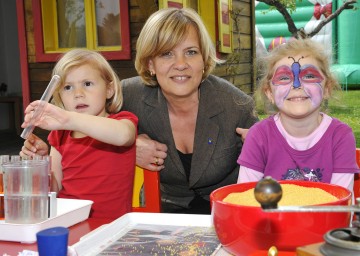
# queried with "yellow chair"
point(146, 194)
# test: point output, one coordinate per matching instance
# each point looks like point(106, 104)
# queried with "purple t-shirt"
point(266, 150)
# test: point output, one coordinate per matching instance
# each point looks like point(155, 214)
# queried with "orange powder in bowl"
point(292, 195)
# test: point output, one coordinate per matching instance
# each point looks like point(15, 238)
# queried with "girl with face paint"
point(299, 142)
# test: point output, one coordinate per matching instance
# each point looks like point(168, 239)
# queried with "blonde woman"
point(187, 117)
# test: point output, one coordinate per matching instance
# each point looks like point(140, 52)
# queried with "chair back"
point(146, 193)
point(357, 176)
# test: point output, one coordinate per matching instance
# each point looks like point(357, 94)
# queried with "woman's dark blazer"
point(222, 108)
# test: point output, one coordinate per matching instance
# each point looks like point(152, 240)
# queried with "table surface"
point(83, 228)
point(76, 232)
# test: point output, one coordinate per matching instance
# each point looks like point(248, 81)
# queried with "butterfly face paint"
point(295, 67)
point(287, 77)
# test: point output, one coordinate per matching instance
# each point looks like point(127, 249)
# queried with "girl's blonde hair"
point(78, 57)
point(307, 47)
point(163, 31)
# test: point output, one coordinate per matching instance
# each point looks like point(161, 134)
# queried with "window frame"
point(225, 32)
point(42, 56)
point(211, 12)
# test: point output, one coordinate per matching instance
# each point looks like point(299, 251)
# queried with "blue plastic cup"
point(53, 241)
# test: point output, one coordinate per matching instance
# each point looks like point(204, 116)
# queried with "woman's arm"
point(148, 152)
point(242, 132)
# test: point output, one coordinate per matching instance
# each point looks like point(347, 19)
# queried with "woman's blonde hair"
point(164, 30)
point(307, 47)
point(78, 57)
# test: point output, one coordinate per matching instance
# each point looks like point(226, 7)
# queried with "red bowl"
point(243, 230)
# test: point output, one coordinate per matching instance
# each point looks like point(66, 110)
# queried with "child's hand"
point(50, 118)
point(34, 146)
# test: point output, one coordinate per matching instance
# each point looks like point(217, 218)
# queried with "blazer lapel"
point(158, 120)
point(206, 133)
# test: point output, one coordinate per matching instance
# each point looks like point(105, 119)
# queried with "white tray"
point(120, 234)
point(69, 212)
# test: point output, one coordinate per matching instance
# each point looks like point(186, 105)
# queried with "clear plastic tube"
point(39, 110)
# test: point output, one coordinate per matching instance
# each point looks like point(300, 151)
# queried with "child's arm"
point(345, 180)
point(249, 175)
point(56, 170)
point(33, 145)
point(116, 132)
point(111, 131)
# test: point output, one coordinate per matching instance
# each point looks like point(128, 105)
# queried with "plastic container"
point(69, 212)
point(26, 188)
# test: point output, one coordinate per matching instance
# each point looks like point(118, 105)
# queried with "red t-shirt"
point(97, 171)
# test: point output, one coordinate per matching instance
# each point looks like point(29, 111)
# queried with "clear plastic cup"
point(3, 159)
point(26, 188)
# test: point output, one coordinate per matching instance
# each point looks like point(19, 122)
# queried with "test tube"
point(39, 110)
point(15, 158)
point(4, 159)
point(46, 158)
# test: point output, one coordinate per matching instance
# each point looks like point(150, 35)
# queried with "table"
point(79, 230)
point(310, 250)
point(76, 232)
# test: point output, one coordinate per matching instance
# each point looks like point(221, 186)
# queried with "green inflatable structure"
point(341, 37)
point(347, 29)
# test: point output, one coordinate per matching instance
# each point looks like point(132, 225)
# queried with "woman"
point(193, 114)
point(187, 117)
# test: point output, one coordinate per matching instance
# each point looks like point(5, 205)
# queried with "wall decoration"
point(224, 26)
point(173, 3)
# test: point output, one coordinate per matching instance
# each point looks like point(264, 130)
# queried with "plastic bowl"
point(243, 230)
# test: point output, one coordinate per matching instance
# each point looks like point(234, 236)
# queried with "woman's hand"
point(150, 154)
point(34, 146)
point(242, 132)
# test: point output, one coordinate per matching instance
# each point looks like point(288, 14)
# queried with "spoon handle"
point(335, 208)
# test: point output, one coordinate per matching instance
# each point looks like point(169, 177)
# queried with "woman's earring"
point(151, 73)
point(203, 72)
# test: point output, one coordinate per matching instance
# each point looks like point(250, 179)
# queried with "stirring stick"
point(39, 110)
